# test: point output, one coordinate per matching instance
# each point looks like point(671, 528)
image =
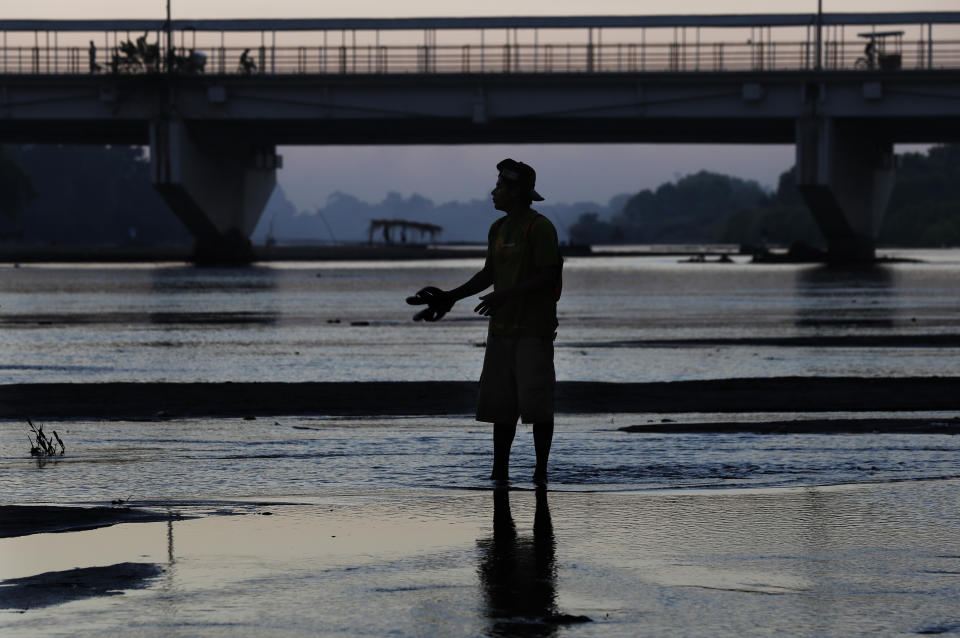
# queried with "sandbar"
point(775, 394)
point(807, 426)
point(23, 520)
point(55, 588)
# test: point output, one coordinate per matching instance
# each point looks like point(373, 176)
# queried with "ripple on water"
point(232, 457)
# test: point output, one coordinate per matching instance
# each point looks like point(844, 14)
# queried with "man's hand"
point(438, 303)
point(490, 302)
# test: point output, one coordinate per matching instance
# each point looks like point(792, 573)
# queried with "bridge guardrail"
point(624, 57)
point(687, 48)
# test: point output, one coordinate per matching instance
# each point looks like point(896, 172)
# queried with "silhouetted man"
point(523, 266)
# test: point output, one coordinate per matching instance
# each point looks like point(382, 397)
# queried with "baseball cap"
point(521, 174)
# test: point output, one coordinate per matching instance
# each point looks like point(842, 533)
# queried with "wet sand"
point(56, 588)
point(809, 561)
point(51, 588)
point(22, 520)
point(809, 426)
point(780, 394)
point(870, 560)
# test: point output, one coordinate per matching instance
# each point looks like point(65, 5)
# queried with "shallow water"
point(872, 560)
point(158, 461)
point(622, 319)
point(388, 526)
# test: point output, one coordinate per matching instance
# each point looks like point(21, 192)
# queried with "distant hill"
point(16, 191)
point(102, 195)
point(97, 195)
point(687, 211)
point(783, 218)
point(87, 195)
point(924, 210)
point(347, 218)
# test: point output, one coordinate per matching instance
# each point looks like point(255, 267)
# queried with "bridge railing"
point(623, 57)
point(644, 44)
point(608, 58)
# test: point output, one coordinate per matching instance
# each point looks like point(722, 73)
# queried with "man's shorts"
point(517, 380)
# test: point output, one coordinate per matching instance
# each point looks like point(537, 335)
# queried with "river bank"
point(441, 398)
point(21, 254)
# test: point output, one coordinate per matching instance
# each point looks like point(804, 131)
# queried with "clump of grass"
point(42, 445)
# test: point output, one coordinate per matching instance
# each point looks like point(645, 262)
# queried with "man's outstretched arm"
point(477, 284)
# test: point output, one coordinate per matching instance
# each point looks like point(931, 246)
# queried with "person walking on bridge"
point(523, 265)
point(247, 66)
point(92, 55)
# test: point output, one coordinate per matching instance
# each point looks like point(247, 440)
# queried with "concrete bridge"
point(213, 98)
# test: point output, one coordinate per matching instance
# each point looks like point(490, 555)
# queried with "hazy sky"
point(393, 8)
point(566, 173)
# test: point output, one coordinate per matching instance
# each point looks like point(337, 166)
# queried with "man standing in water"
point(523, 266)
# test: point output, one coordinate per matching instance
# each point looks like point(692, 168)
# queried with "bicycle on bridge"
point(876, 55)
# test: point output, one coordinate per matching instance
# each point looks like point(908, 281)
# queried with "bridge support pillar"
point(845, 174)
point(218, 188)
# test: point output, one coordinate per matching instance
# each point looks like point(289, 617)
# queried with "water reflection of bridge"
point(213, 127)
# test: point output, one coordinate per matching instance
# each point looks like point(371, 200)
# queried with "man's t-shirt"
point(516, 248)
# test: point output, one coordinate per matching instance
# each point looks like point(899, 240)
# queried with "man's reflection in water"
point(518, 573)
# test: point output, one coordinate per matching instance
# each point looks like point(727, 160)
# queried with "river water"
point(387, 525)
point(622, 319)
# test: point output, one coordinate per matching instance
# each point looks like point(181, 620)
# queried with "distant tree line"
point(345, 217)
point(924, 209)
point(705, 208)
point(83, 195)
point(16, 191)
point(102, 195)
point(925, 206)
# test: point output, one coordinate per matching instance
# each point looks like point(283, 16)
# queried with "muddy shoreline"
point(805, 426)
point(21, 520)
point(325, 252)
point(56, 588)
point(438, 398)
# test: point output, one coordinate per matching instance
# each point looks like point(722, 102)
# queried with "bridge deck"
point(707, 79)
point(755, 108)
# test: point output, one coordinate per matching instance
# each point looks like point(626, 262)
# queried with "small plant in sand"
point(42, 445)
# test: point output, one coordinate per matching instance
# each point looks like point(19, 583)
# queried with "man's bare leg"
point(503, 434)
point(542, 440)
